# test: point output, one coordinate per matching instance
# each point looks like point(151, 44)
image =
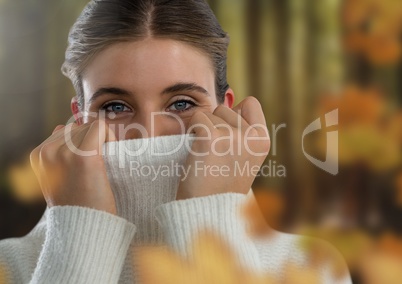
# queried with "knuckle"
point(34, 155)
point(253, 103)
point(44, 152)
point(219, 109)
point(64, 153)
point(197, 116)
point(96, 122)
point(215, 133)
point(252, 100)
point(253, 132)
point(265, 146)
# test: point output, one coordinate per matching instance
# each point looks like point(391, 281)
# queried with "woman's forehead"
point(149, 64)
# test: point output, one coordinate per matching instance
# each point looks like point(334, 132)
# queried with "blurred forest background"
point(301, 59)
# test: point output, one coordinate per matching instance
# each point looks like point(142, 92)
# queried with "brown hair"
point(105, 22)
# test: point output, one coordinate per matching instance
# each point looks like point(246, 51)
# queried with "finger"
point(95, 137)
point(231, 117)
point(64, 134)
point(34, 156)
point(58, 127)
point(250, 109)
point(110, 135)
point(55, 135)
point(61, 130)
point(97, 130)
point(34, 159)
point(219, 123)
point(200, 124)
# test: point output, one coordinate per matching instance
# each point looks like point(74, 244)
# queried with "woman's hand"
point(229, 148)
point(70, 167)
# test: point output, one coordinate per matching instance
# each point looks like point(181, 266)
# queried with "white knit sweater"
point(72, 244)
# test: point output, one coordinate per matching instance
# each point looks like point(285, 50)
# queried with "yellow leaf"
point(212, 262)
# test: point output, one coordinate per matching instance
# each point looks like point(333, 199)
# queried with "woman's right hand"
point(70, 167)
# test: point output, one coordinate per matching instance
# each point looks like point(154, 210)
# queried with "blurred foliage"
point(212, 261)
point(373, 28)
point(370, 133)
point(24, 183)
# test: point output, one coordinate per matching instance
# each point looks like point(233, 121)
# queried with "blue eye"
point(181, 105)
point(115, 107)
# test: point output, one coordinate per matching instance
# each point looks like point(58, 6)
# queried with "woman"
point(145, 72)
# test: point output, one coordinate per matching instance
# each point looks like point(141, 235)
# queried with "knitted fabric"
point(74, 244)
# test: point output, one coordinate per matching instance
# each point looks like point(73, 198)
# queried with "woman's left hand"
point(229, 147)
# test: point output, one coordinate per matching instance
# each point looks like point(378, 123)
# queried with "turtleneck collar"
point(143, 174)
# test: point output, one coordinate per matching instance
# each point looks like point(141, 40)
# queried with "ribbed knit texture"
point(224, 220)
point(81, 245)
point(143, 174)
point(93, 244)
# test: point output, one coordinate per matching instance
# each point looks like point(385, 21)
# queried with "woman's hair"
point(106, 22)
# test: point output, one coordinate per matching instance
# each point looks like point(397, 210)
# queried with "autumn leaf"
point(373, 28)
point(383, 49)
point(212, 262)
point(357, 106)
point(369, 133)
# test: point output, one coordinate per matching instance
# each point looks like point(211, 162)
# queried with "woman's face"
point(150, 87)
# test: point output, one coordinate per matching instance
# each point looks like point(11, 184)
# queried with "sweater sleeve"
point(83, 245)
point(182, 220)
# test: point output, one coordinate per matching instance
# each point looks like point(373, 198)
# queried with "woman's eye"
point(115, 107)
point(181, 105)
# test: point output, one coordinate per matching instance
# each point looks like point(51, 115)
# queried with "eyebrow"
point(109, 90)
point(179, 87)
point(185, 87)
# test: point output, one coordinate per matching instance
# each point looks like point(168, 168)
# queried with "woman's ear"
point(76, 110)
point(229, 98)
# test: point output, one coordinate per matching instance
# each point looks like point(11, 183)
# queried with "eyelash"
point(193, 104)
point(109, 104)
